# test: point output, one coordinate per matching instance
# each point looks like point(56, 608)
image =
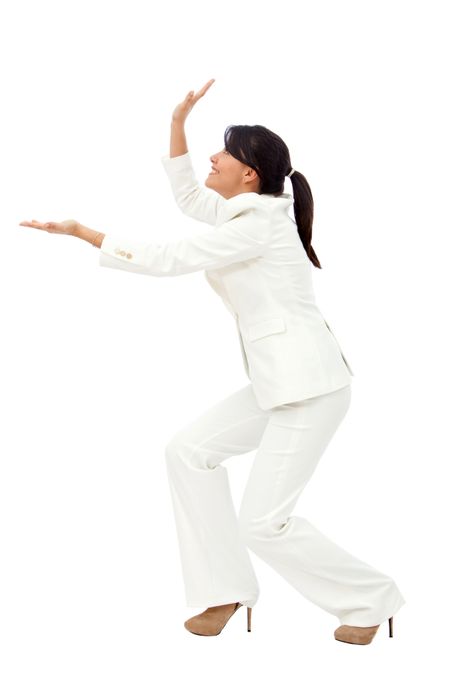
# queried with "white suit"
point(255, 261)
point(299, 392)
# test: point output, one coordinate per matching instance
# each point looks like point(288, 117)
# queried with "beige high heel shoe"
point(213, 619)
point(359, 635)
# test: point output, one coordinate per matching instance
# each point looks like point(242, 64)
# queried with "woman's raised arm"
point(178, 145)
point(193, 199)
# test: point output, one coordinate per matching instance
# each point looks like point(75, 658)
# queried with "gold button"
point(117, 250)
point(129, 255)
point(122, 252)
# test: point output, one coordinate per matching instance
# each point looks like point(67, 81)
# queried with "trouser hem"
point(224, 600)
point(354, 618)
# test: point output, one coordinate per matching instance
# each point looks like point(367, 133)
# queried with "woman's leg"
point(215, 561)
point(291, 445)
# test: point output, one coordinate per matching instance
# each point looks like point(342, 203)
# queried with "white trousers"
point(289, 441)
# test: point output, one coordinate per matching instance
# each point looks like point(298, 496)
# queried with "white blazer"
point(254, 259)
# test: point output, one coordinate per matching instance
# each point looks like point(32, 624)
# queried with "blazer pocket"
point(266, 327)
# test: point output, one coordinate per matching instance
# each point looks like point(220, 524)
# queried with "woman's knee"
point(257, 530)
point(177, 449)
point(185, 449)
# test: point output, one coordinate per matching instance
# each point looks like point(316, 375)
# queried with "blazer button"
point(117, 250)
point(129, 255)
point(122, 252)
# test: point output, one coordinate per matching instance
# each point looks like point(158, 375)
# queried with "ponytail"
point(304, 213)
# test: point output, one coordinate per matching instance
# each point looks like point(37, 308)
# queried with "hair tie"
point(290, 173)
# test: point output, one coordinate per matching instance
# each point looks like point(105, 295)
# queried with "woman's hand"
point(183, 109)
point(65, 227)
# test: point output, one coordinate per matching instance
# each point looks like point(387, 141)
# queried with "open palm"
point(64, 227)
point(183, 109)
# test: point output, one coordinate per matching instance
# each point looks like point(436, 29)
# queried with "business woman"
point(258, 260)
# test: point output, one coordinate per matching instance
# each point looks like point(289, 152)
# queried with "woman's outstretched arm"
point(243, 237)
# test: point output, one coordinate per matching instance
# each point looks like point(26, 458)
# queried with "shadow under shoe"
point(213, 619)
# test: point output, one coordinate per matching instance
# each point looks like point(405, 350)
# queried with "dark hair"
point(266, 153)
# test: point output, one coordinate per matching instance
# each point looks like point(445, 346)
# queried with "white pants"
point(289, 441)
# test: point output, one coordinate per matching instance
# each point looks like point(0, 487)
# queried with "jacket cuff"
point(120, 253)
point(177, 163)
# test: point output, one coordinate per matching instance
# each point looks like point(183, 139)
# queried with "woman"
point(259, 261)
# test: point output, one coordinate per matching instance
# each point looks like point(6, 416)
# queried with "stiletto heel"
point(249, 619)
point(391, 632)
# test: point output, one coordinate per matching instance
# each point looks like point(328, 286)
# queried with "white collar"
point(229, 208)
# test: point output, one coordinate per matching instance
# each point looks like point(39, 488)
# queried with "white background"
point(99, 368)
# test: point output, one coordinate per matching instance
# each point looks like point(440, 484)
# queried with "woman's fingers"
point(183, 109)
point(203, 90)
point(206, 86)
point(65, 227)
point(33, 223)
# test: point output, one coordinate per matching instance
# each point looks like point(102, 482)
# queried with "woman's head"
point(229, 176)
point(255, 159)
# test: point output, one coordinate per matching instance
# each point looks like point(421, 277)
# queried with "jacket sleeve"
point(242, 238)
point(194, 200)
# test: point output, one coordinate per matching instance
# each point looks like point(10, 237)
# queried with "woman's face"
point(230, 177)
